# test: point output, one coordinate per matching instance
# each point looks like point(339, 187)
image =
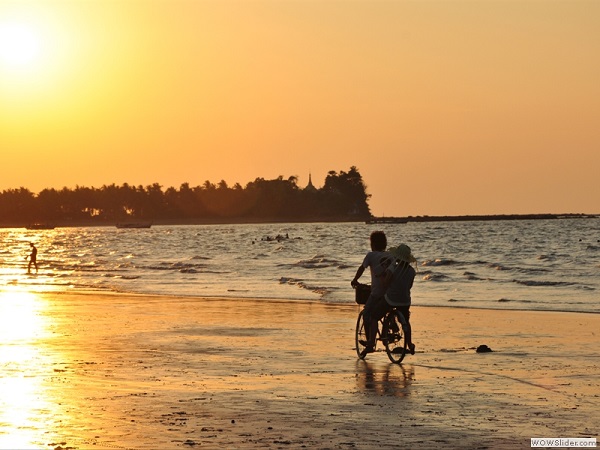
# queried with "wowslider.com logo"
point(564, 442)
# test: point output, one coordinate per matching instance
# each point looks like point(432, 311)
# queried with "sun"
point(20, 45)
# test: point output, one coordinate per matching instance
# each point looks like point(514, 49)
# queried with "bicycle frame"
point(391, 331)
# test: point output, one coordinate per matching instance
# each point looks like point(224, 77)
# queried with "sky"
point(445, 107)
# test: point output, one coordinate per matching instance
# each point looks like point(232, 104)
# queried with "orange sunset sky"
point(445, 107)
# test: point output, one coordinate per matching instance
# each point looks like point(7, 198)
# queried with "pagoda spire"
point(310, 186)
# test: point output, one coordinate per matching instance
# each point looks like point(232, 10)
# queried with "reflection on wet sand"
point(24, 404)
point(385, 379)
point(117, 371)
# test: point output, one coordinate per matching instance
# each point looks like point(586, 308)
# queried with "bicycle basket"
point(362, 293)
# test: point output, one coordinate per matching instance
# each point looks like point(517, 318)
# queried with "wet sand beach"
point(142, 372)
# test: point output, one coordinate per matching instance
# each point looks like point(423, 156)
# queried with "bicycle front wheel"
point(393, 337)
point(361, 336)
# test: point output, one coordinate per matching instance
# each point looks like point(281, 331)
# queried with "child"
point(398, 282)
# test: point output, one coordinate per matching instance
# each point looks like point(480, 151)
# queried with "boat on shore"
point(386, 220)
point(134, 225)
point(40, 226)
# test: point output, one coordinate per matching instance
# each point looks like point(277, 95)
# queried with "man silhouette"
point(32, 258)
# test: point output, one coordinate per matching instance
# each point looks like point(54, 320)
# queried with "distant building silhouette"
point(310, 187)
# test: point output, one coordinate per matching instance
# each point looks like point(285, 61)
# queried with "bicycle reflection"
point(389, 379)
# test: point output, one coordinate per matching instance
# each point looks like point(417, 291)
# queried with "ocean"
point(549, 265)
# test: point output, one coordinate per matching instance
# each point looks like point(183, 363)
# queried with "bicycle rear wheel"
point(393, 337)
point(361, 335)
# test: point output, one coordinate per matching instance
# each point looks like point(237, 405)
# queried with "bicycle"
point(390, 329)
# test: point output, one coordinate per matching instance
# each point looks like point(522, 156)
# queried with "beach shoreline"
point(345, 304)
point(280, 221)
point(145, 372)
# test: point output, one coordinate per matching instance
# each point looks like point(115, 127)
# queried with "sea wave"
point(318, 263)
point(321, 290)
point(508, 300)
point(472, 276)
point(438, 262)
point(546, 257)
point(435, 277)
point(174, 266)
point(532, 270)
point(532, 283)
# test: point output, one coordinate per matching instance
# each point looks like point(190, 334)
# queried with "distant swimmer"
point(32, 258)
point(278, 238)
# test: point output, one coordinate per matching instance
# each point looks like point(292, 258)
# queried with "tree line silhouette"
point(342, 197)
